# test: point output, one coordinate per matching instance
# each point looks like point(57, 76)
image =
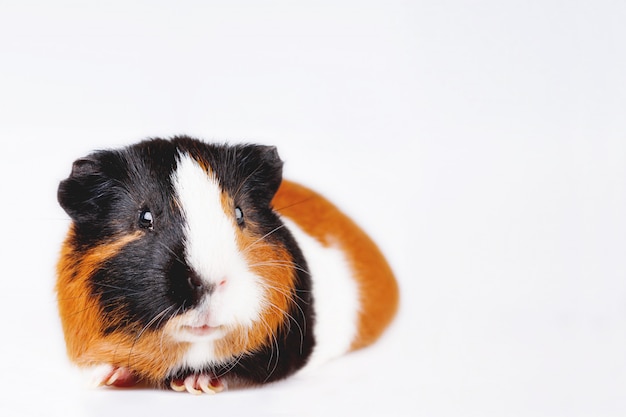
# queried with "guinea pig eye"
point(239, 215)
point(145, 220)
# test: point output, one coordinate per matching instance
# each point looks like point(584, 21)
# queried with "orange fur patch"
point(149, 353)
point(319, 218)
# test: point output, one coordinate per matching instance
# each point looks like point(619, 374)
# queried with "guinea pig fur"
point(193, 266)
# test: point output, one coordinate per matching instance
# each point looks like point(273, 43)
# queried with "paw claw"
point(198, 384)
point(190, 385)
point(177, 385)
point(114, 377)
point(217, 385)
point(111, 376)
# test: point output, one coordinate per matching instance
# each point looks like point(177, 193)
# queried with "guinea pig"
point(195, 266)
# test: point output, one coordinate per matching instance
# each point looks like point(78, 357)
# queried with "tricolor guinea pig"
point(195, 266)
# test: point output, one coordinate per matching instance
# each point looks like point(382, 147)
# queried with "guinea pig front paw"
point(113, 376)
point(198, 384)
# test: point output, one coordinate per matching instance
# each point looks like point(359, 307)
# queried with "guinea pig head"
point(173, 257)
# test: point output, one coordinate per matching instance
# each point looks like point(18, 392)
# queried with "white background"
point(481, 143)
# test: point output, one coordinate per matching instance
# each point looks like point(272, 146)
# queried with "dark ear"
point(264, 169)
point(80, 192)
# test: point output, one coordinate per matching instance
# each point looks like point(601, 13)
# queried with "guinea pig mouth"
point(202, 331)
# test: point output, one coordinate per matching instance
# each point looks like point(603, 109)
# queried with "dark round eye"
point(145, 220)
point(239, 215)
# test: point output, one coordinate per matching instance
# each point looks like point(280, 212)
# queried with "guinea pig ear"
point(266, 169)
point(78, 194)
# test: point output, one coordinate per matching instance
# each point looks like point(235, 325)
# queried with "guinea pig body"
point(194, 265)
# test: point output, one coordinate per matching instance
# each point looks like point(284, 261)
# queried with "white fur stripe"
point(210, 242)
point(211, 250)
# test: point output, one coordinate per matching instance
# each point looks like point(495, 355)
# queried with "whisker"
point(286, 291)
point(97, 305)
point(172, 252)
point(230, 367)
point(141, 332)
point(100, 284)
point(291, 318)
point(294, 204)
point(274, 347)
point(89, 296)
point(163, 333)
point(245, 180)
point(251, 245)
point(281, 263)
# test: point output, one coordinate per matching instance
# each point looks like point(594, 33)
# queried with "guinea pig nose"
point(198, 285)
point(195, 282)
